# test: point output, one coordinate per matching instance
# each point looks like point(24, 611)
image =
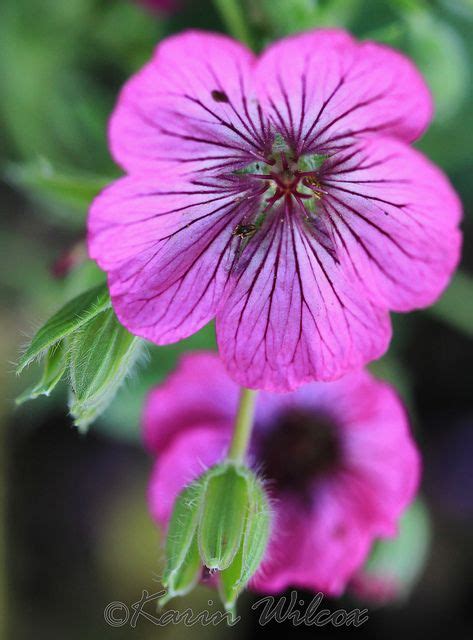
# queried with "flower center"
point(287, 179)
point(301, 448)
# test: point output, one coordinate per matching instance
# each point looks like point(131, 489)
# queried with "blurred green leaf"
point(278, 18)
point(337, 13)
point(60, 68)
point(232, 14)
point(407, 5)
point(462, 8)
point(54, 367)
point(455, 307)
point(101, 354)
point(401, 560)
point(49, 107)
point(68, 319)
point(127, 33)
point(441, 55)
point(391, 369)
point(73, 191)
point(82, 277)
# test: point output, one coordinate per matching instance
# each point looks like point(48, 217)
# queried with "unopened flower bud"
point(221, 521)
point(223, 516)
point(253, 545)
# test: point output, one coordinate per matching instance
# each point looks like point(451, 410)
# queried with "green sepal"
point(185, 577)
point(73, 315)
point(102, 353)
point(54, 367)
point(182, 529)
point(250, 554)
point(222, 521)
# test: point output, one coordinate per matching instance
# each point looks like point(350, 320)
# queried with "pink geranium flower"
point(340, 462)
point(278, 194)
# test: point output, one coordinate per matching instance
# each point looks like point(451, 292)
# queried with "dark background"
point(76, 533)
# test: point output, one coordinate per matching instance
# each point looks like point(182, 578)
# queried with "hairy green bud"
point(102, 354)
point(222, 522)
point(253, 545)
point(183, 562)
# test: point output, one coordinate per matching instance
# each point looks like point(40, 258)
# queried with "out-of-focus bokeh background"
point(75, 531)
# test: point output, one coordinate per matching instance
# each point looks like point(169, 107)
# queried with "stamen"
point(289, 177)
point(260, 176)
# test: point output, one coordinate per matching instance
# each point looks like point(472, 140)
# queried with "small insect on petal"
point(219, 96)
point(244, 230)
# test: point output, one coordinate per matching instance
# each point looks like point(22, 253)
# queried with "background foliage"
point(76, 529)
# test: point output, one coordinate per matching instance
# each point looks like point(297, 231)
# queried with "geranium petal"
point(322, 88)
point(290, 316)
point(192, 105)
point(381, 464)
point(198, 390)
point(167, 251)
point(318, 550)
point(394, 217)
point(320, 546)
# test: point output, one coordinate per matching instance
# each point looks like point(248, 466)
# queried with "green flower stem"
point(243, 425)
point(233, 16)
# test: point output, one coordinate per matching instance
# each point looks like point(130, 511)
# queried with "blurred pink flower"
point(161, 5)
point(378, 590)
point(278, 194)
point(339, 458)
